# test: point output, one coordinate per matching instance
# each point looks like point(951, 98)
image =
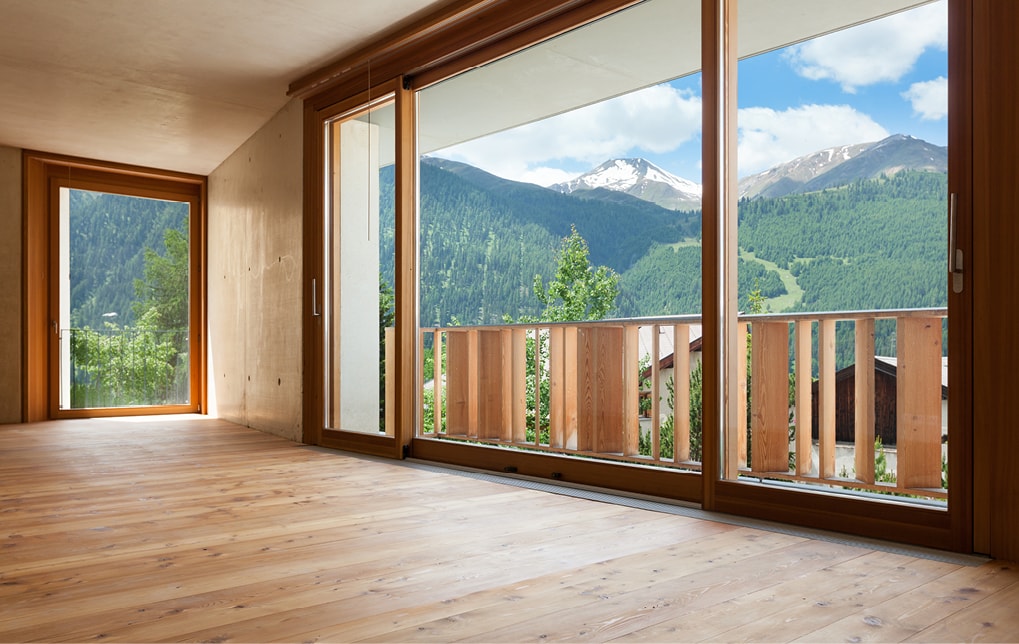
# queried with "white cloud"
point(768, 137)
point(879, 51)
point(546, 176)
point(929, 98)
point(657, 119)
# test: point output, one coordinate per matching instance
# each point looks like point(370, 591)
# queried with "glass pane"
point(359, 267)
point(843, 166)
point(124, 301)
point(563, 185)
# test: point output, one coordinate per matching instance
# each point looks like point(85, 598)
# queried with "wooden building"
point(885, 388)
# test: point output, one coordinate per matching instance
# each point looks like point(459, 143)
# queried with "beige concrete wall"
point(10, 295)
point(254, 280)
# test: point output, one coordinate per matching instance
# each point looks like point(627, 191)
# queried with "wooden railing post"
point(390, 380)
point(804, 382)
point(740, 430)
point(656, 404)
point(631, 390)
point(516, 392)
point(826, 398)
point(599, 378)
point(557, 386)
point(770, 396)
point(680, 392)
point(437, 388)
point(864, 393)
point(537, 385)
point(458, 383)
point(918, 402)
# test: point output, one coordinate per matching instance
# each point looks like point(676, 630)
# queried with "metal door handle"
point(314, 299)
point(955, 256)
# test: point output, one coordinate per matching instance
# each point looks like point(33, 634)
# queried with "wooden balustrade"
point(591, 371)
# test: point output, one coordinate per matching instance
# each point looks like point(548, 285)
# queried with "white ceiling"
point(651, 43)
point(171, 84)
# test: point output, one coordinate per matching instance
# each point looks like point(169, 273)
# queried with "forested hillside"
point(483, 239)
point(108, 237)
point(872, 244)
point(877, 244)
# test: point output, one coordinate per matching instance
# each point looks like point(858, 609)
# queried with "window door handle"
point(955, 256)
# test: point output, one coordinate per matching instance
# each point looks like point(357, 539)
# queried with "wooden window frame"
point(44, 174)
point(470, 33)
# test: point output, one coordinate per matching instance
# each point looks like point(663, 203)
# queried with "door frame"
point(413, 53)
point(951, 528)
point(318, 113)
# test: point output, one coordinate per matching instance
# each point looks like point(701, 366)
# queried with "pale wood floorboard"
point(193, 529)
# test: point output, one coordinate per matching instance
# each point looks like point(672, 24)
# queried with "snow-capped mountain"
point(639, 178)
point(845, 164)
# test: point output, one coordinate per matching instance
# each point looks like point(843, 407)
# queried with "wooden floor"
point(199, 530)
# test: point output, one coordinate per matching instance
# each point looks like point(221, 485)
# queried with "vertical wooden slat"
point(390, 377)
point(631, 387)
point(570, 393)
point(437, 389)
point(557, 386)
point(490, 376)
point(419, 426)
point(826, 398)
point(537, 386)
point(681, 392)
point(473, 384)
point(583, 381)
point(864, 411)
point(656, 423)
point(770, 397)
point(457, 383)
point(506, 380)
point(518, 395)
point(740, 424)
point(609, 390)
point(918, 402)
point(804, 451)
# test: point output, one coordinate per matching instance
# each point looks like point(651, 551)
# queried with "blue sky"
point(861, 84)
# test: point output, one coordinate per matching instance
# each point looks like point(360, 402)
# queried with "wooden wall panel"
point(11, 294)
point(995, 220)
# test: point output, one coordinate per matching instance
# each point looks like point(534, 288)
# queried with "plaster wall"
point(10, 297)
point(254, 279)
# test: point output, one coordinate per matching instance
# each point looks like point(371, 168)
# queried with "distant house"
point(884, 401)
point(666, 359)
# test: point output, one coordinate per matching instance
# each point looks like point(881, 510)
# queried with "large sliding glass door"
point(560, 250)
point(690, 249)
point(357, 303)
point(839, 342)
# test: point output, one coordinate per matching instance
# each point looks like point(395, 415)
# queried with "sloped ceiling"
point(170, 84)
point(180, 84)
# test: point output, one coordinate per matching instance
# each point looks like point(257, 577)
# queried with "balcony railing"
point(800, 418)
point(123, 367)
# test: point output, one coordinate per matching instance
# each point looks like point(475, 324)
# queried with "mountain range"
point(876, 242)
point(639, 178)
point(816, 171)
point(845, 164)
